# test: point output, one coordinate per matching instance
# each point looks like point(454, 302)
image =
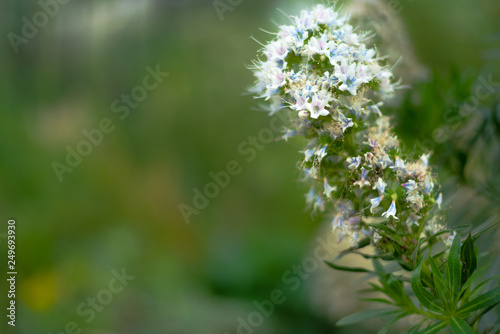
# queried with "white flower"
point(345, 33)
point(375, 108)
point(328, 189)
point(399, 166)
point(289, 133)
point(380, 186)
point(304, 114)
point(338, 221)
point(439, 200)
point(294, 35)
point(344, 121)
point(321, 153)
point(363, 181)
point(353, 162)
point(319, 204)
point(318, 106)
point(363, 54)
point(326, 15)
point(391, 212)
point(306, 20)
point(428, 185)
point(277, 50)
point(330, 79)
point(385, 82)
point(319, 46)
point(375, 202)
point(336, 52)
point(415, 199)
point(412, 220)
point(351, 76)
point(425, 159)
point(410, 185)
point(310, 196)
point(376, 237)
point(383, 161)
point(308, 154)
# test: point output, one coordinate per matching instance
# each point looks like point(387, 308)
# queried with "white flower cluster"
point(314, 60)
point(319, 69)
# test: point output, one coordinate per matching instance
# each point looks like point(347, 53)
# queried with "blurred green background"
point(119, 208)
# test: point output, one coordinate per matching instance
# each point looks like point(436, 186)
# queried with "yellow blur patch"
point(39, 291)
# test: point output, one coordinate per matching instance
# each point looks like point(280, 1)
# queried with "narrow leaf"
point(489, 298)
point(365, 315)
point(389, 325)
point(342, 268)
point(468, 257)
point(377, 300)
point(478, 273)
point(425, 297)
point(459, 326)
point(434, 328)
point(453, 270)
point(441, 289)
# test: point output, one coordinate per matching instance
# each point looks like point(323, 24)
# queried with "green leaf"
point(416, 252)
point(342, 268)
point(485, 227)
point(389, 325)
point(472, 278)
point(459, 326)
point(365, 315)
point(434, 328)
point(377, 300)
point(489, 298)
point(468, 257)
point(415, 328)
point(441, 289)
point(478, 289)
point(453, 270)
point(425, 297)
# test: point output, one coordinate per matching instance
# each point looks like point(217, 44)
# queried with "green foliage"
point(447, 289)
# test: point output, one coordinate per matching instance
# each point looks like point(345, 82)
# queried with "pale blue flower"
point(328, 189)
point(380, 186)
point(288, 134)
point(428, 185)
point(318, 106)
point(344, 121)
point(412, 220)
point(310, 196)
point(321, 153)
point(363, 182)
point(338, 221)
point(353, 162)
point(308, 154)
point(319, 204)
point(410, 185)
point(391, 212)
point(439, 200)
point(399, 166)
point(375, 202)
point(425, 159)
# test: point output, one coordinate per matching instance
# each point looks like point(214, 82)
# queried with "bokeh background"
point(119, 208)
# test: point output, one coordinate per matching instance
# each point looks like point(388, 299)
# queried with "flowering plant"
point(319, 71)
